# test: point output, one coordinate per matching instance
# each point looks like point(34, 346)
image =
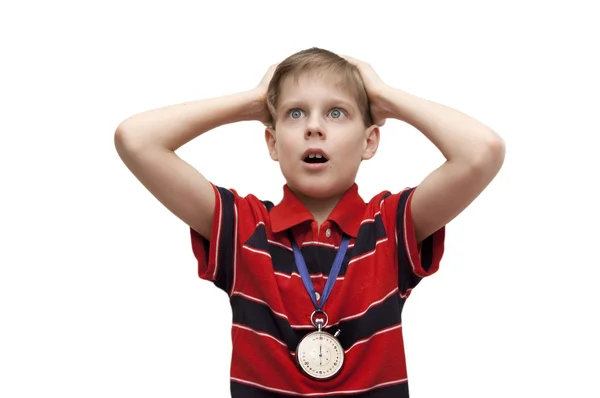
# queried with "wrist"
point(241, 106)
point(256, 101)
point(394, 102)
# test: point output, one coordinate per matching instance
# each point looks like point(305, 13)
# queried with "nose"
point(314, 129)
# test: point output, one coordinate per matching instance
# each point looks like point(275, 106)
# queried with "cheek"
point(352, 146)
point(286, 147)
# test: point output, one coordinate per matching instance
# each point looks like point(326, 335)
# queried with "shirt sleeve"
point(216, 256)
point(415, 261)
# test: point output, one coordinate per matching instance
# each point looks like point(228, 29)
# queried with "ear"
point(371, 142)
point(271, 140)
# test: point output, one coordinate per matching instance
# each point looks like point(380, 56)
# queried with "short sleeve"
point(216, 256)
point(415, 262)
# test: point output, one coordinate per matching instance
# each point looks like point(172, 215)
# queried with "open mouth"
point(313, 158)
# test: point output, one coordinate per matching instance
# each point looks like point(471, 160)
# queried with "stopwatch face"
point(320, 355)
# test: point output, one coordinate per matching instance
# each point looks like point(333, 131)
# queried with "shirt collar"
point(347, 214)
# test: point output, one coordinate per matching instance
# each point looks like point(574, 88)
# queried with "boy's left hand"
point(375, 88)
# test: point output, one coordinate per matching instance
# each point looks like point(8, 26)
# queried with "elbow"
point(496, 149)
point(484, 156)
point(490, 157)
point(122, 139)
point(127, 138)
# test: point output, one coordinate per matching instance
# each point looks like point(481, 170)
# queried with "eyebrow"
point(339, 101)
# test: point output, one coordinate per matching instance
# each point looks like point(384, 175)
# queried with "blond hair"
point(321, 61)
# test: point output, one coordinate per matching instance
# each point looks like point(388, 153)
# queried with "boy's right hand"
point(264, 116)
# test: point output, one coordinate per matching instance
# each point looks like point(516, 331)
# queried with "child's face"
point(317, 116)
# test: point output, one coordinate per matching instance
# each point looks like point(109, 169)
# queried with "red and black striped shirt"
point(250, 257)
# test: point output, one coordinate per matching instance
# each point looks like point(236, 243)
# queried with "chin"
point(320, 188)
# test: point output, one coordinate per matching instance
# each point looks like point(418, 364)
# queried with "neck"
point(320, 208)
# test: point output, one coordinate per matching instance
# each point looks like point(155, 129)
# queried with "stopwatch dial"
point(320, 355)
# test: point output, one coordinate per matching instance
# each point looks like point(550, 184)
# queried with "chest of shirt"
point(266, 273)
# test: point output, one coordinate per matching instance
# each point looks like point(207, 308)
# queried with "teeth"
point(319, 156)
point(313, 155)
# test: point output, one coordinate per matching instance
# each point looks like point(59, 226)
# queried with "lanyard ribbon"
point(335, 269)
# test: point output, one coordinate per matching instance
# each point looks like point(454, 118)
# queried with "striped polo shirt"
point(250, 257)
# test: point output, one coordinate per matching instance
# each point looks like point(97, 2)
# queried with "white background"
point(99, 295)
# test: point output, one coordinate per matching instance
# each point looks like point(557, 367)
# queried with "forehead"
point(315, 86)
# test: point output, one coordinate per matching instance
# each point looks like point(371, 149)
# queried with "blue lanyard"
point(335, 270)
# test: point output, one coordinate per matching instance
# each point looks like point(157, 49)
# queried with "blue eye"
point(295, 113)
point(336, 113)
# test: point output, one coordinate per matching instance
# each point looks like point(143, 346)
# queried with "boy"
point(293, 333)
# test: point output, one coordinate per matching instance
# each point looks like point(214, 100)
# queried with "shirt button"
point(318, 296)
point(328, 233)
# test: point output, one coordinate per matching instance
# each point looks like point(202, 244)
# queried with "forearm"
point(173, 126)
point(459, 137)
